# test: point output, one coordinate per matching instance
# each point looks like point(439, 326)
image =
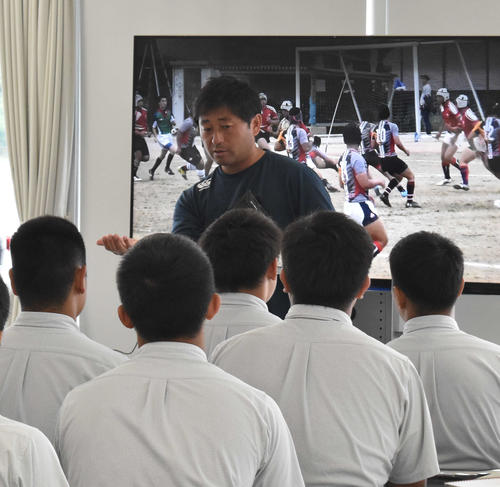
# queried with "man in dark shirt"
point(229, 117)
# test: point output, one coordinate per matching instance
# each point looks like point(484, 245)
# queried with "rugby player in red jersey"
point(139, 147)
point(269, 124)
point(471, 126)
point(453, 123)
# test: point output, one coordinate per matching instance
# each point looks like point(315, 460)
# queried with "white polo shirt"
point(168, 417)
point(27, 457)
point(356, 409)
point(238, 313)
point(42, 357)
point(461, 377)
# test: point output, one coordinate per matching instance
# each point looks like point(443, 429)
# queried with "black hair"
point(4, 304)
point(226, 91)
point(241, 245)
point(317, 141)
point(160, 98)
point(383, 112)
point(46, 251)
point(326, 257)
point(429, 269)
point(165, 283)
point(352, 134)
point(424, 76)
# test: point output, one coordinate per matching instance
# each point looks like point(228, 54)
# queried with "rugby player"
point(471, 125)
point(453, 123)
point(388, 139)
point(354, 177)
point(269, 125)
point(162, 128)
point(139, 146)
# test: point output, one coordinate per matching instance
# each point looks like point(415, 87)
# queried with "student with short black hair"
point(28, 458)
point(356, 409)
point(44, 354)
point(460, 372)
point(185, 421)
point(243, 247)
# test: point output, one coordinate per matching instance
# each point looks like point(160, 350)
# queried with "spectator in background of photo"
point(426, 103)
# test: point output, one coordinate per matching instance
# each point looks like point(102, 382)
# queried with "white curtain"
point(38, 63)
point(39, 56)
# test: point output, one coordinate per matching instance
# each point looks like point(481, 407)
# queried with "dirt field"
point(468, 218)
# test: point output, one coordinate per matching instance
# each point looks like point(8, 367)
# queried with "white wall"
point(107, 44)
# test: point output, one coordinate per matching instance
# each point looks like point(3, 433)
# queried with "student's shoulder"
point(97, 352)
point(244, 340)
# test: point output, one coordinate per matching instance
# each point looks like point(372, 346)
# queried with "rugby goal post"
point(370, 86)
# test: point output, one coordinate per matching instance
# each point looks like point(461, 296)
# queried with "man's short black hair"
point(165, 283)
point(317, 141)
point(352, 134)
point(424, 76)
point(46, 252)
point(226, 91)
point(4, 304)
point(326, 257)
point(429, 269)
point(241, 245)
point(383, 112)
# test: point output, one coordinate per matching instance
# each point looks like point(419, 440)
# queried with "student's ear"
point(272, 270)
point(461, 290)
point(400, 297)
point(12, 285)
point(364, 287)
point(256, 123)
point(213, 306)
point(124, 317)
point(284, 281)
point(80, 281)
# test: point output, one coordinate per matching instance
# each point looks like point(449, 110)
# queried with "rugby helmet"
point(444, 93)
point(286, 105)
point(174, 131)
point(138, 98)
point(262, 96)
point(462, 101)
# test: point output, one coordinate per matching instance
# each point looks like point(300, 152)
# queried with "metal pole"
point(479, 107)
point(335, 112)
point(154, 71)
point(416, 97)
point(350, 87)
point(297, 78)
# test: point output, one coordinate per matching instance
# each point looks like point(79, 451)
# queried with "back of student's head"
point(326, 258)
point(352, 134)
point(317, 141)
point(165, 283)
point(228, 92)
point(383, 112)
point(241, 245)
point(4, 304)
point(46, 251)
point(429, 269)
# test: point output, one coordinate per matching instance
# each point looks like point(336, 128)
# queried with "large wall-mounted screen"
point(335, 81)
